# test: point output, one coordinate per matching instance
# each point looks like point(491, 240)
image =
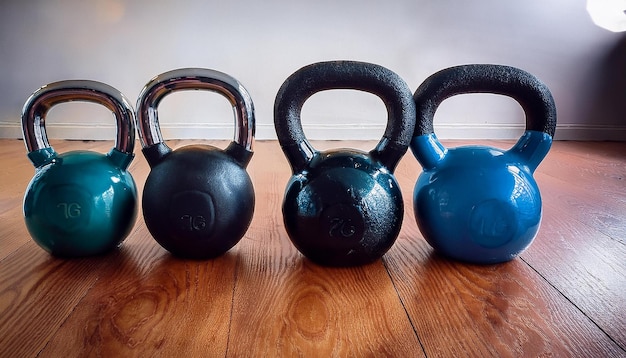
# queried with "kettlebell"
point(79, 203)
point(198, 200)
point(343, 207)
point(480, 204)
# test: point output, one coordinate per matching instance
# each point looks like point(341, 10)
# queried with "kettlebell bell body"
point(198, 200)
point(343, 207)
point(476, 203)
point(79, 203)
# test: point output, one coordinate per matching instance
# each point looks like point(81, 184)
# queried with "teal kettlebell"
point(481, 204)
point(79, 203)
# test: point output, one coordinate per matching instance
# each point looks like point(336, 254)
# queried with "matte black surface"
point(198, 202)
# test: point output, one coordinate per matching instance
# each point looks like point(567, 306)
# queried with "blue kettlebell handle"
point(375, 79)
point(533, 96)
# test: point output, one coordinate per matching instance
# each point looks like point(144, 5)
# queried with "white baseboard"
point(326, 131)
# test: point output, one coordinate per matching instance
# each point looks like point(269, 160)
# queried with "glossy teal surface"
point(80, 203)
point(479, 204)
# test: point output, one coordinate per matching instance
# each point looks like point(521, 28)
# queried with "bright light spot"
point(608, 14)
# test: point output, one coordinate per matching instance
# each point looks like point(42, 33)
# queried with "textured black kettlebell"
point(198, 200)
point(343, 207)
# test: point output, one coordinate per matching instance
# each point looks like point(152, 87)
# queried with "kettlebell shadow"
point(606, 93)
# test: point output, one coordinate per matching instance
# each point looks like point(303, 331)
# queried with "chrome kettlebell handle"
point(39, 103)
point(194, 79)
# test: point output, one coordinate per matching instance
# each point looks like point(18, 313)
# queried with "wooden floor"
point(565, 296)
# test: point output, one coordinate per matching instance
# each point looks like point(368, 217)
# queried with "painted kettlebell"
point(480, 204)
point(198, 200)
point(79, 203)
point(343, 207)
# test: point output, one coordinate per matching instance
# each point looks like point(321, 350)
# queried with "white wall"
point(125, 43)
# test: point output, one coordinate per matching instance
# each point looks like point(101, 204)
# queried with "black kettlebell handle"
point(532, 94)
point(39, 103)
point(375, 79)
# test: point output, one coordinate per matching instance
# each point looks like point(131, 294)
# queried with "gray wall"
point(125, 43)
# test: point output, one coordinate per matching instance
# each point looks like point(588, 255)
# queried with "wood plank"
point(498, 310)
point(152, 304)
point(284, 305)
point(583, 263)
point(597, 151)
point(38, 293)
point(591, 188)
point(16, 173)
point(583, 183)
point(332, 312)
point(592, 170)
point(14, 231)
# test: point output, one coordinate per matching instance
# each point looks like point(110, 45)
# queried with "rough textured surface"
point(532, 94)
point(375, 79)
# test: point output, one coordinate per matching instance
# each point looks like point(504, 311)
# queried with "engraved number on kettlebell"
point(343, 221)
point(341, 227)
point(192, 212)
point(70, 210)
point(492, 223)
point(68, 207)
point(193, 222)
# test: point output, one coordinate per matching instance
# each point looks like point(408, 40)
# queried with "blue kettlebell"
point(481, 204)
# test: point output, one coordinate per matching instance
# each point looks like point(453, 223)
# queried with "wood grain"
point(582, 261)
point(37, 295)
point(165, 306)
point(501, 310)
point(287, 306)
point(565, 296)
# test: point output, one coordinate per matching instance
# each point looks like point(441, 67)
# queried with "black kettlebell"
point(198, 200)
point(343, 207)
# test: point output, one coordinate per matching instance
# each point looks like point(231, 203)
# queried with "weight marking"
point(492, 223)
point(70, 210)
point(192, 214)
point(341, 226)
point(342, 221)
point(66, 207)
point(193, 222)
